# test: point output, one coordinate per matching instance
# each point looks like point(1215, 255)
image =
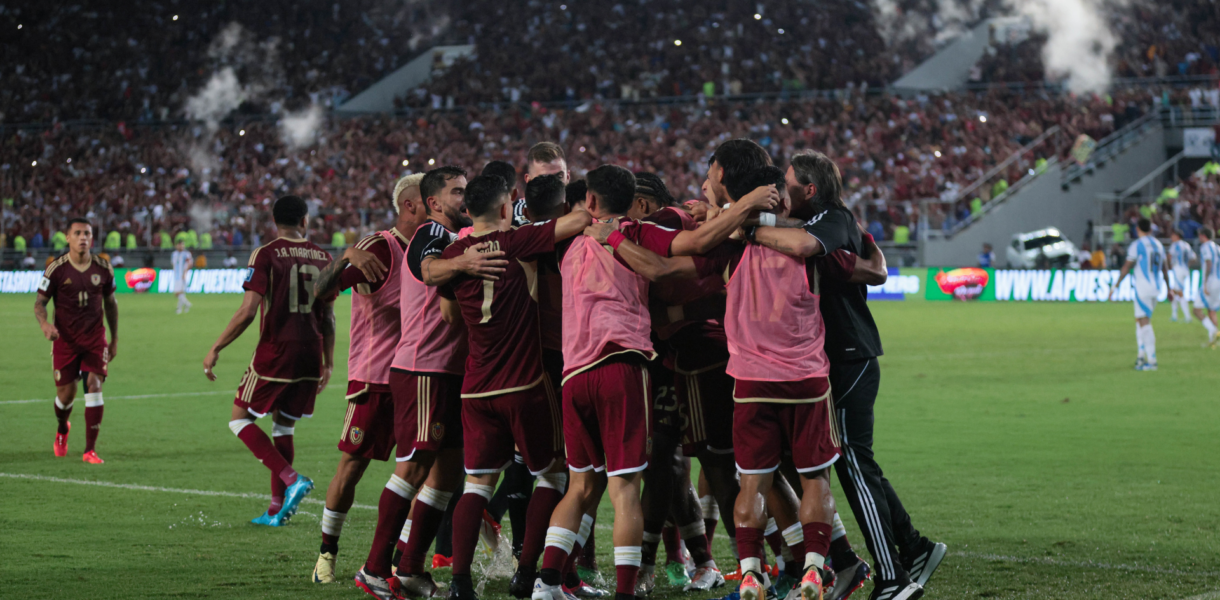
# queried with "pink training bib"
point(428, 344)
point(773, 322)
point(603, 303)
point(376, 323)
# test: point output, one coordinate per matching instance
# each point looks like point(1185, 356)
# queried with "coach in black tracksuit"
point(852, 346)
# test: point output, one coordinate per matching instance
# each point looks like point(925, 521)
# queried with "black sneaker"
point(522, 584)
point(898, 589)
point(461, 588)
point(922, 565)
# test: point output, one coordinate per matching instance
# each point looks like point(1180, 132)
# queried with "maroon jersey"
point(78, 295)
point(289, 335)
point(502, 316)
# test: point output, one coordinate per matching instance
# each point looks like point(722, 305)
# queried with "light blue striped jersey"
point(1209, 251)
point(1148, 255)
point(1182, 254)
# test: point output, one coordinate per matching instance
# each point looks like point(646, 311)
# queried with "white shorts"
point(1145, 302)
point(1209, 295)
point(1180, 279)
point(180, 286)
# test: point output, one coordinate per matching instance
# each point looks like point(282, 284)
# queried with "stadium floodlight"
point(405, 162)
point(936, 153)
point(175, 17)
point(677, 42)
point(242, 132)
point(582, 148)
point(34, 164)
point(781, 31)
point(784, 120)
point(19, 26)
point(431, 161)
point(757, 17)
point(982, 118)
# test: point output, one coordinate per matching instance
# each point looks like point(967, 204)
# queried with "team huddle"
point(579, 338)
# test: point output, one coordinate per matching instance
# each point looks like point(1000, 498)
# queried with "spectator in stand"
point(986, 257)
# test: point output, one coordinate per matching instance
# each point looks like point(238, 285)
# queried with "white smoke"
point(1079, 41)
point(220, 96)
point(1079, 44)
point(299, 129)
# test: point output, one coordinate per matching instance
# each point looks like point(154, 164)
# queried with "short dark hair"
point(544, 195)
point(1207, 232)
point(502, 169)
point(614, 185)
point(740, 158)
point(289, 210)
point(544, 152)
point(485, 194)
point(811, 166)
point(1144, 225)
point(768, 175)
point(576, 192)
point(81, 220)
point(434, 181)
point(650, 185)
point(1177, 232)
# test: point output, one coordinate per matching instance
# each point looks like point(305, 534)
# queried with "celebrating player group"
point(579, 338)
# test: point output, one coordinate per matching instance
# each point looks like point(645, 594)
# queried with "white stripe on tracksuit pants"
point(861, 478)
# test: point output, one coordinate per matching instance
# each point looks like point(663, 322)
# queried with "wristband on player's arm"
point(615, 239)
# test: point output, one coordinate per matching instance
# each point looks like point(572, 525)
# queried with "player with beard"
point(425, 382)
point(852, 346)
point(372, 268)
point(506, 400)
point(606, 387)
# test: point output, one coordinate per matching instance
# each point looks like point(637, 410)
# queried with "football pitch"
point(1016, 433)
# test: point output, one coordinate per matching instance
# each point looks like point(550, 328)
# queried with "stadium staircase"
point(379, 97)
point(949, 68)
point(1061, 194)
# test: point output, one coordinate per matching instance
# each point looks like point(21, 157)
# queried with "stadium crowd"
point(893, 152)
point(150, 59)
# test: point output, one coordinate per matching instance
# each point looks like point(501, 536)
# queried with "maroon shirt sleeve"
point(839, 264)
point(650, 236)
point(258, 273)
point(529, 240)
point(49, 284)
point(451, 251)
point(352, 277)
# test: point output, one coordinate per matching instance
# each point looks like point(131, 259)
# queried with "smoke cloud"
point(299, 129)
point(220, 96)
point(1080, 41)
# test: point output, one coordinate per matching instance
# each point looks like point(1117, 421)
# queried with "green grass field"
point(1016, 433)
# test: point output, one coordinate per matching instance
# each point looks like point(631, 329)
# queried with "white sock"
point(691, 530)
point(400, 486)
point(94, 399)
point(1139, 342)
point(837, 530)
point(1210, 327)
point(1149, 343)
point(435, 498)
point(406, 531)
point(771, 528)
point(332, 522)
point(586, 527)
point(813, 559)
point(560, 538)
point(483, 490)
point(751, 564)
point(627, 555)
point(1173, 308)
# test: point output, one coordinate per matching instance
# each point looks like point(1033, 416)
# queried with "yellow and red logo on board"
point(963, 284)
point(141, 280)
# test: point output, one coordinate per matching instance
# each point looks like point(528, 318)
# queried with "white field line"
point(1214, 595)
point(151, 488)
point(139, 397)
point(1091, 565)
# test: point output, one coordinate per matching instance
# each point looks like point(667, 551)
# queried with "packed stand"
point(893, 152)
point(150, 60)
point(559, 50)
